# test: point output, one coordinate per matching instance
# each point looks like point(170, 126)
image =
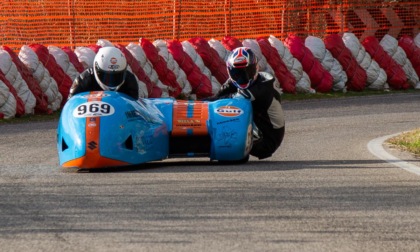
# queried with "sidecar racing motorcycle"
point(110, 129)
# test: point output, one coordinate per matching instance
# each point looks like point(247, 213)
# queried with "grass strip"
point(407, 141)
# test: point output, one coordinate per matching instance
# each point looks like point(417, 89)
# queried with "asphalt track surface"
point(323, 190)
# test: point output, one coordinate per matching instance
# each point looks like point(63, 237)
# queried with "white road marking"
point(376, 148)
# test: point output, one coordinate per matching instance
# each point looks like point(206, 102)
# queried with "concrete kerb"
point(376, 147)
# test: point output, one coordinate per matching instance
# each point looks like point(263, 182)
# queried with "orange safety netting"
point(78, 23)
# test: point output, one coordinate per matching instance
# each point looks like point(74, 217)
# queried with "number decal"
point(93, 109)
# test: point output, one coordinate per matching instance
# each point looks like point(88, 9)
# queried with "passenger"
point(245, 80)
point(109, 72)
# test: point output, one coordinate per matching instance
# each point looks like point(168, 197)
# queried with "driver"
point(109, 72)
point(258, 87)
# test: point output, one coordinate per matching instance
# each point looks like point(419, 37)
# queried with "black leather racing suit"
point(86, 81)
point(267, 112)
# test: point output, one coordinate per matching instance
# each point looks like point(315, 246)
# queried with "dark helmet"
point(242, 67)
point(110, 66)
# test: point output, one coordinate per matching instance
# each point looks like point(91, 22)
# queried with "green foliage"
point(408, 141)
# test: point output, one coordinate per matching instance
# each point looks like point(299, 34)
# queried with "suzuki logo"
point(92, 145)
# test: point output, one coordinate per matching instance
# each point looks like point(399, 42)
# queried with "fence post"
point(282, 20)
point(70, 5)
point(343, 17)
point(228, 17)
point(177, 19)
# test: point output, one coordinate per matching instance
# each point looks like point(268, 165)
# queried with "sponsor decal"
point(92, 109)
point(229, 111)
point(188, 122)
point(228, 121)
point(113, 65)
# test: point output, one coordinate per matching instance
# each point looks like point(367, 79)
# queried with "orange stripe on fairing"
point(87, 162)
point(92, 157)
point(190, 118)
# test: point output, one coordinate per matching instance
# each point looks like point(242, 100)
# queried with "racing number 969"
point(104, 108)
point(93, 109)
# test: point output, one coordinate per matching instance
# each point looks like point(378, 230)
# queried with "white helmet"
point(110, 67)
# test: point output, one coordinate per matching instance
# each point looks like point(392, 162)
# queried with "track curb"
point(375, 146)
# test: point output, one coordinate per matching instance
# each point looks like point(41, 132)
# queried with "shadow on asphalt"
point(251, 166)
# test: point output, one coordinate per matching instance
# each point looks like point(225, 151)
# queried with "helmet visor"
point(111, 79)
point(240, 77)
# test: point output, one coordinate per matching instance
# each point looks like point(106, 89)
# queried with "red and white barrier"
point(38, 78)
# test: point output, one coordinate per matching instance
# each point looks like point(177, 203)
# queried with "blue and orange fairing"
point(110, 129)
